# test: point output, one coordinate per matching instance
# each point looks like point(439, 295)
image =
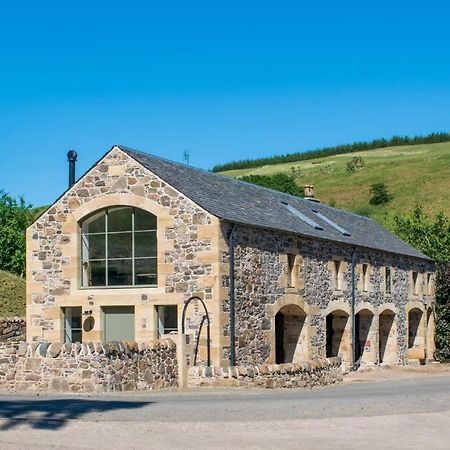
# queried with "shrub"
point(355, 164)
point(12, 295)
point(279, 182)
point(380, 194)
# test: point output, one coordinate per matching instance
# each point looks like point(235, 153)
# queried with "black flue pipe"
point(72, 158)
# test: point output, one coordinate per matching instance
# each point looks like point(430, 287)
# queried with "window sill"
point(141, 286)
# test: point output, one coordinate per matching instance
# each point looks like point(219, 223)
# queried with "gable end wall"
point(187, 253)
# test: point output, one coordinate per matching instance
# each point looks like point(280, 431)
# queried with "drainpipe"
point(353, 309)
point(231, 298)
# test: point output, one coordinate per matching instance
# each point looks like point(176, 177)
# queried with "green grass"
point(414, 174)
point(12, 295)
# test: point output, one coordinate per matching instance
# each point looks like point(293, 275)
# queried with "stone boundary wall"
point(301, 375)
point(88, 367)
point(12, 328)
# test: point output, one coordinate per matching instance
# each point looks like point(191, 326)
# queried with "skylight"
point(331, 223)
point(301, 216)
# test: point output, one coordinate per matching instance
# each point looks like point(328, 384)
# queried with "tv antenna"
point(186, 156)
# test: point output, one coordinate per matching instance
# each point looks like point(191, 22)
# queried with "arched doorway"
point(291, 337)
point(416, 338)
point(365, 342)
point(388, 350)
point(430, 334)
point(338, 335)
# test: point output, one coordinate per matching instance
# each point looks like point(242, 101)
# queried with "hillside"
point(414, 174)
point(12, 295)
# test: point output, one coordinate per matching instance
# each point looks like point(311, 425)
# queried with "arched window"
point(119, 248)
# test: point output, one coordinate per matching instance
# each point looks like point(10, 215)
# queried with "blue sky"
point(224, 79)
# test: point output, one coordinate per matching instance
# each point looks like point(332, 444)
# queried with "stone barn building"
point(285, 279)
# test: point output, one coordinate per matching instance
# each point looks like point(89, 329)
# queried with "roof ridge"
point(239, 201)
point(238, 180)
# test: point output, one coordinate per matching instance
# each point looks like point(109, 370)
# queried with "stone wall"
point(186, 252)
point(88, 367)
point(12, 328)
point(303, 375)
point(262, 288)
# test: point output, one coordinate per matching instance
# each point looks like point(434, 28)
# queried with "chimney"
point(72, 158)
point(309, 193)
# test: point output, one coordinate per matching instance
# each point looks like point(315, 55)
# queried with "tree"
point(279, 182)
point(15, 216)
point(430, 237)
point(380, 194)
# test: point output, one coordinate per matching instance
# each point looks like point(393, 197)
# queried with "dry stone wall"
point(88, 367)
point(304, 375)
point(12, 328)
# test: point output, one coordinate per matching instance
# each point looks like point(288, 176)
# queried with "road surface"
point(406, 413)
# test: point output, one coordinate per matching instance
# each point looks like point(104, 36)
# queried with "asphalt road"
point(408, 413)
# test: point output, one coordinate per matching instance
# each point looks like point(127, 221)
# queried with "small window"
point(337, 275)
point(415, 284)
point(290, 270)
point(365, 277)
point(167, 319)
point(72, 324)
point(388, 280)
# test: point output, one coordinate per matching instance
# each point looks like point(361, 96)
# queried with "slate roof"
point(239, 202)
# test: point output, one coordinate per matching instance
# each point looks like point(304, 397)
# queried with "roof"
point(240, 202)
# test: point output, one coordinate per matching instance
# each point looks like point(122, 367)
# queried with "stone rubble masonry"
point(314, 373)
point(12, 328)
point(187, 253)
point(261, 289)
point(88, 367)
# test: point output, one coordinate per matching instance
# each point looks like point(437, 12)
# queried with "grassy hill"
point(12, 295)
point(414, 174)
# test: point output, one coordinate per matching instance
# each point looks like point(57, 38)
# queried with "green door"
point(118, 323)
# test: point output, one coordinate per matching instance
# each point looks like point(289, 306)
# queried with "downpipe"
point(231, 296)
point(353, 308)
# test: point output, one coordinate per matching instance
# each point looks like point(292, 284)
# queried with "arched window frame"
point(86, 280)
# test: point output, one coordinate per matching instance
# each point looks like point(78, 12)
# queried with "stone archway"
point(291, 335)
point(388, 347)
point(365, 337)
point(416, 334)
point(338, 335)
